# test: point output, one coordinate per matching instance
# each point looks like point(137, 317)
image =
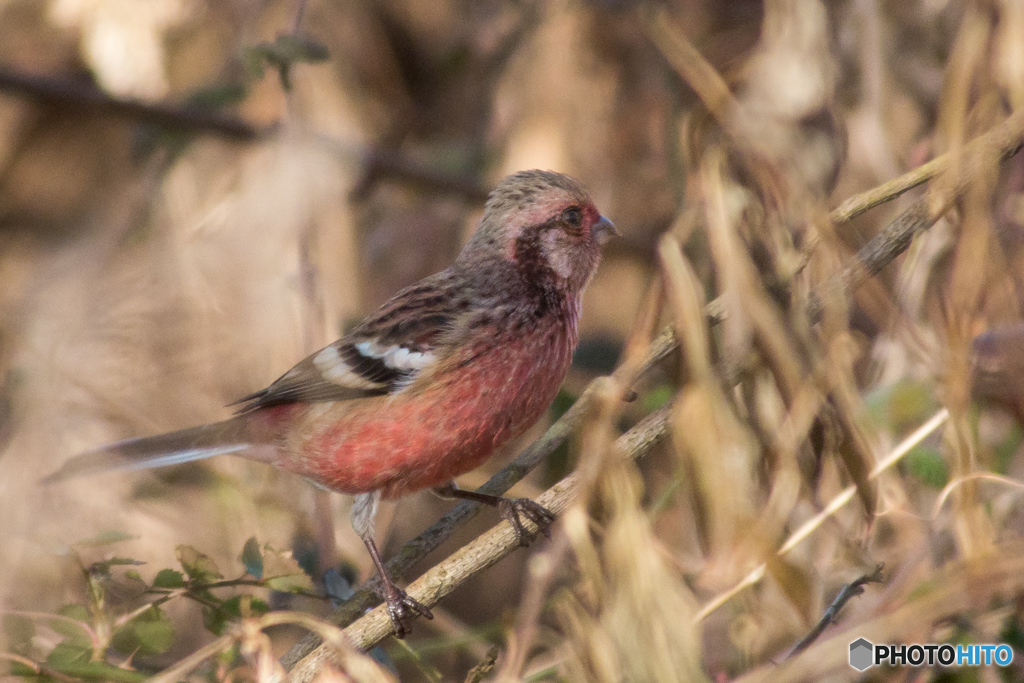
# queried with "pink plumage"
point(407, 442)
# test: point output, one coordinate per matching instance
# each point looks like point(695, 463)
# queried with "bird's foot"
point(514, 509)
point(401, 608)
point(511, 509)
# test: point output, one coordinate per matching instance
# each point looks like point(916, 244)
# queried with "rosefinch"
point(430, 384)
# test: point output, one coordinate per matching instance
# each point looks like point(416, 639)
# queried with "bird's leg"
point(400, 606)
point(511, 509)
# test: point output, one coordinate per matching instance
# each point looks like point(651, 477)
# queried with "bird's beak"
point(603, 230)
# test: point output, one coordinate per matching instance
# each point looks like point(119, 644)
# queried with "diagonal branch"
point(997, 145)
point(848, 592)
point(63, 92)
point(481, 553)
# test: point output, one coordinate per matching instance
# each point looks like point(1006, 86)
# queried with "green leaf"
point(76, 612)
point(66, 654)
point(903, 405)
point(120, 562)
point(169, 578)
point(198, 566)
point(78, 635)
point(252, 558)
point(245, 607)
point(155, 636)
point(151, 633)
point(215, 619)
point(283, 572)
point(289, 583)
point(133, 575)
point(253, 61)
point(1006, 449)
point(282, 53)
point(926, 464)
point(233, 609)
point(658, 397)
point(22, 671)
point(229, 656)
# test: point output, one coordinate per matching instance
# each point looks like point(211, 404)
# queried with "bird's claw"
point(513, 509)
point(402, 608)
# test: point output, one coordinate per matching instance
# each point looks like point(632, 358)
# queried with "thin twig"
point(999, 144)
point(300, 11)
point(62, 92)
point(477, 673)
point(389, 164)
point(958, 587)
point(886, 192)
point(709, 85)
point(849, 591)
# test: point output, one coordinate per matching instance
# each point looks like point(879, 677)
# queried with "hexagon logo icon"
point(861, 654)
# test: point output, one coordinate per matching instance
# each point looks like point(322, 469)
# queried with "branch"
point(849, 592)
point(886, 192)
point(388, 164)
point(62, 92)
point(1004, 140)
point(77, 96)
point(481, 553)
point(999, 144)
point(956, 588)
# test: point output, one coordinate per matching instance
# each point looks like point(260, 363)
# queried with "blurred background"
point(195, 194)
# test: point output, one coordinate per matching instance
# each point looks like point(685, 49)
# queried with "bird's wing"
point(382, 355)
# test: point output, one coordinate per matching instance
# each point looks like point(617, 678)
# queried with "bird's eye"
point(572, 216)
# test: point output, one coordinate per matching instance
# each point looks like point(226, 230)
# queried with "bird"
point(429, 385)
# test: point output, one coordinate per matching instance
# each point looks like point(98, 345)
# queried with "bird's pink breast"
point(423, 438)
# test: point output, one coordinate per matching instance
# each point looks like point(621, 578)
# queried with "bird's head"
point(545, 224)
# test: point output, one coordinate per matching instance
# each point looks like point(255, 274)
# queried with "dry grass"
point(827, 400)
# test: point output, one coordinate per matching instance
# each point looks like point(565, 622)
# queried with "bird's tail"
point(146, 452)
